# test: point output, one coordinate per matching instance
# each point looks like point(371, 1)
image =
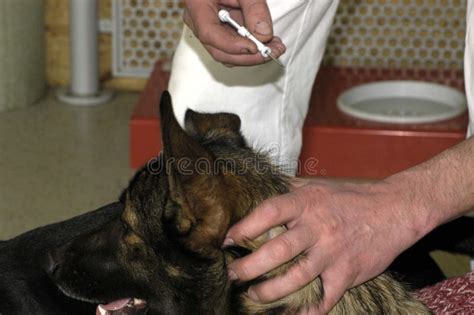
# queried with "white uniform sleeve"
point(469, 64)
point(272, 102)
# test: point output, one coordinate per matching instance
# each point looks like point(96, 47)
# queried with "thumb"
point(257, 19)
point(334, 288)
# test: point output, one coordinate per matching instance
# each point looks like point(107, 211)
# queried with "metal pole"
point(84, 78)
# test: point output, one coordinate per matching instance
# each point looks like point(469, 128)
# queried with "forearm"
point(439, 189)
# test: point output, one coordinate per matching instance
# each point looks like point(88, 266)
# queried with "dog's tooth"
point(100, 310)
point(138, 302)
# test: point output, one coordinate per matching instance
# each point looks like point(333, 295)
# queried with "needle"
point(276, 60)
point(265, 51)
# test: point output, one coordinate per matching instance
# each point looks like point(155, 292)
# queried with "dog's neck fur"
point(251, 178)
point(198, 296)
point(250, 175)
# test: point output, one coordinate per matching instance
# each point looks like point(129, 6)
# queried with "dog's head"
point(165, 249)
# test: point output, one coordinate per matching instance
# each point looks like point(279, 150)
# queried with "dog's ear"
point(201, 124)
point(195, 210)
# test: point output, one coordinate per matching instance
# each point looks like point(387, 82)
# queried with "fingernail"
point(281, 48)
point(231, 275)
point(252, 295)
point(263, 28)
point(228, 242)
point(245, 51)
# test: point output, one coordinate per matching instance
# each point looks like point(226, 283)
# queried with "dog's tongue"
point(128, 306)
point(107, 309)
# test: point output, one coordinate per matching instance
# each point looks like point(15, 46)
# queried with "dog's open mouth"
point(127, 306)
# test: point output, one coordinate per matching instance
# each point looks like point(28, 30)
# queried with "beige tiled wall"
point(398, 34)
point(419, 34)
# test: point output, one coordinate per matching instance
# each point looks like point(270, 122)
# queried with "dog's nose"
point(52, 264)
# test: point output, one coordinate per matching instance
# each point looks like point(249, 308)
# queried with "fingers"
point(297, 182)
point(230, 3)
point(334, 288)
point(272, 212)
point(334, 285)
point(308, 310)
point(222, 41)
point(272, 254)
point(205, 23)
point(305, 270)
point(258, 19)
point(188, 20)
point(247, 58)
point(256, 14)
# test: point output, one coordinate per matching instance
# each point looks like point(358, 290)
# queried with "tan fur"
point(129, 216)
point(175, 272)
point(133, 239)
point(203, 215)
point(382, 295)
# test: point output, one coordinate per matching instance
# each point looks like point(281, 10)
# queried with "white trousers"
point(469, 65)
point(271, 102)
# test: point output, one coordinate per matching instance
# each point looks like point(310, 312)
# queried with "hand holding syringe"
point(265, 51)
point(222, 42)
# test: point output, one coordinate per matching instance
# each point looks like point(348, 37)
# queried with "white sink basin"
point(405, 102)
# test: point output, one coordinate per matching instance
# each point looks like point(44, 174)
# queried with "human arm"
point(351, 232)
point(221, 41)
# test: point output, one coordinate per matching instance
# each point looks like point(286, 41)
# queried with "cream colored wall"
point(391, 34)
point(57, 48)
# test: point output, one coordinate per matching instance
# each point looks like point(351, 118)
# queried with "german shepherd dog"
point(163, 253)
point(25, 288)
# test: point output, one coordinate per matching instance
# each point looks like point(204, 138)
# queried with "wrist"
point(411, 200)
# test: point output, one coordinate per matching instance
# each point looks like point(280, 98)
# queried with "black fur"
point(24, 286)
point(416, 267)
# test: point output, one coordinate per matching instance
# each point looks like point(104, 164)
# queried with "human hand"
point(222, 41)
point(349, 233)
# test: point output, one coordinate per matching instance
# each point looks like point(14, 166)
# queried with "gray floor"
point(57, 161)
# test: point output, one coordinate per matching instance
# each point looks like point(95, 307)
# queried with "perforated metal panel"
point(393, 34)
point(398, 34)
point(144, 31)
